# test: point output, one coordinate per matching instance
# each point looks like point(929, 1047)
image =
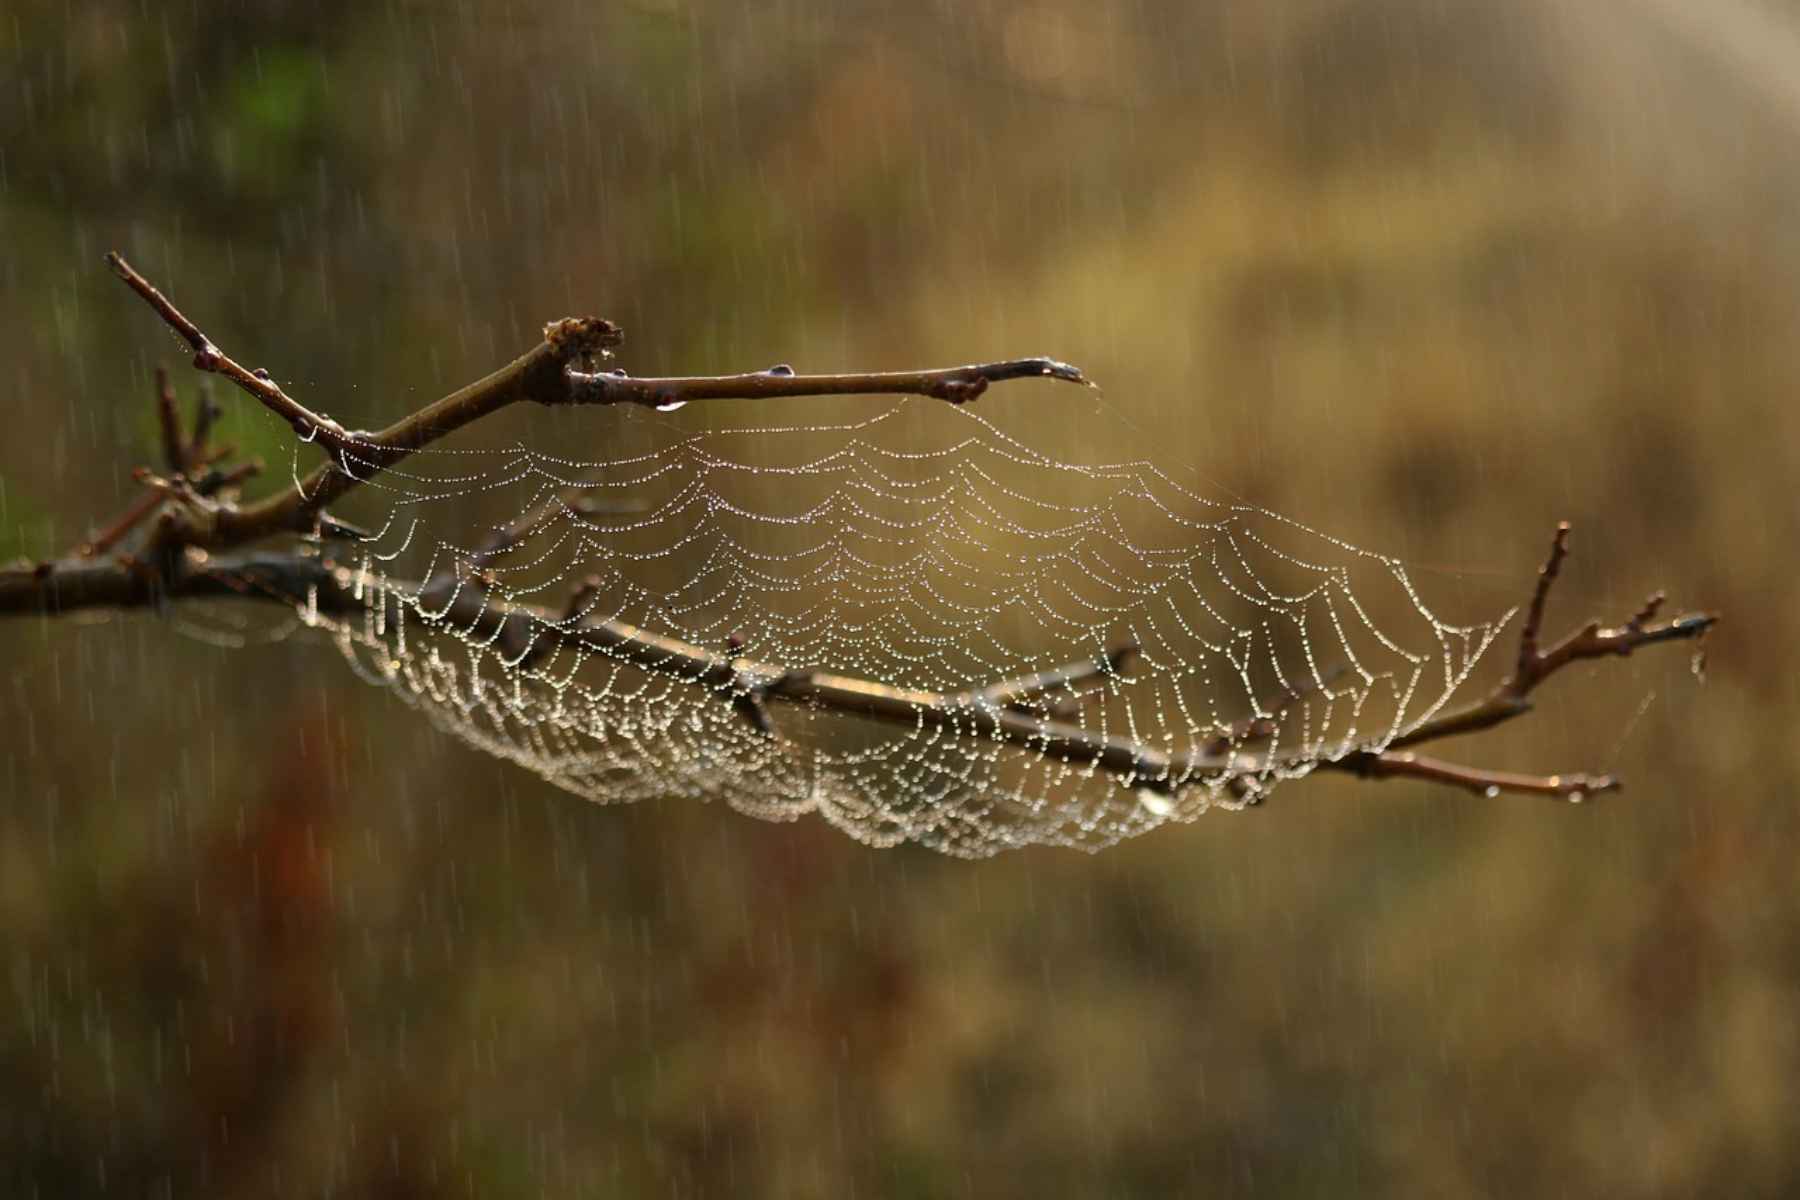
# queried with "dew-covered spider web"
point(856, 619)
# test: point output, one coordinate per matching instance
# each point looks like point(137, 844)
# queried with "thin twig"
point(1021, 692)
point(501, 541)
point(1403, 764)
point(208, 357)
point(175, 455)
point(1511, 697)
point(206, 411)
point(958, 385)
point(216, 480)
point(1524, 674)
point(124, 523)
point(1260, 727)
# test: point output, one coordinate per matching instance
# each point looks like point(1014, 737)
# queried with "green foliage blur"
point(1428, 275)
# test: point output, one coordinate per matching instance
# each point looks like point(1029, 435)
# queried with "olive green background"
point(1427, 275)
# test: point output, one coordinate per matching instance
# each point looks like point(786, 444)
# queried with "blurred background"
point(1427, 275)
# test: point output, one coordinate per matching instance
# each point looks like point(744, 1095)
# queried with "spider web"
point(924, 549)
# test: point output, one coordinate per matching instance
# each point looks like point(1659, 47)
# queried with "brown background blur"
point(1426, 274)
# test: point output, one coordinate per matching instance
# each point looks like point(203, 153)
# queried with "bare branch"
point(1534, 615)
point(1265, 725)
point(206, 411)
point(180, 457)
point(501, 541)
point(195, 548)
point(208, 357)
point(72, 584)
point(530, 632)
point(175, 455)
point(123, 524)
point(958, 385)
point(1020, 693)
point(216, 480)
point(1512, 697)
point(545, 375)
point(1404, 764)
